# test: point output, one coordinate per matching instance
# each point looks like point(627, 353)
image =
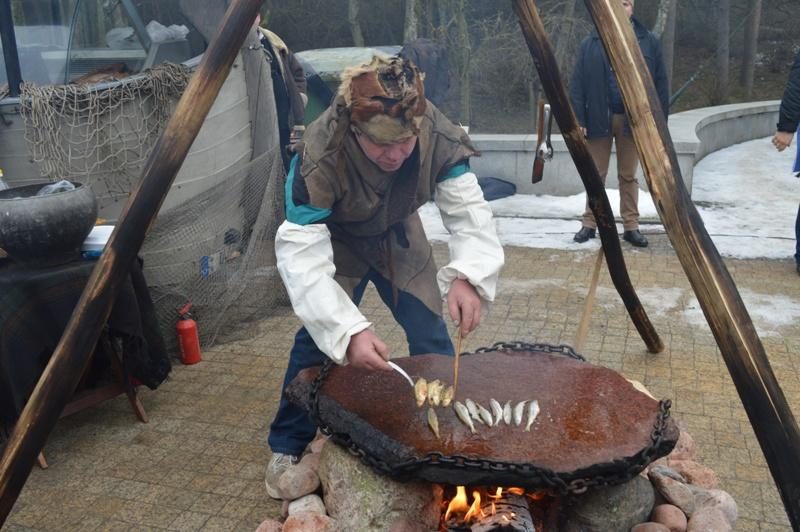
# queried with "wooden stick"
point(545, 62)
point(70, 357)
point(455, 361)
point(588, 305)
point(761, 395)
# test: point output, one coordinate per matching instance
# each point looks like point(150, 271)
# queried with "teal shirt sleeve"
point(455, 171)
point(304, 214)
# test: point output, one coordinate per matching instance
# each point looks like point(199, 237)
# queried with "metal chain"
point(525, 347)
point(555, 482)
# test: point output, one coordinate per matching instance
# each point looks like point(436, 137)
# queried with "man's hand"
point(367, 351)
point(782, 140)
point(464, 305)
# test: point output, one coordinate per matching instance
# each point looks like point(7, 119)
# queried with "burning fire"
point(460, 505)
point(460, 510)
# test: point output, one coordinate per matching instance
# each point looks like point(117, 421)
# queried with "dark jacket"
point(588, 89)
point(789, 115)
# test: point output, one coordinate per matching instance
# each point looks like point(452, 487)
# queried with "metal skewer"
point(401, 371)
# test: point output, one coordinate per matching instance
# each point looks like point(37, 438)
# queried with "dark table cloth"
point(35, 306)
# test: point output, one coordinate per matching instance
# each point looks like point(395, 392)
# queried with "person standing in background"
point(788, 119)
point(598, 105)
point(289, 87)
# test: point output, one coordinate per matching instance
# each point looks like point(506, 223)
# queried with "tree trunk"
point(462, 40)
point(750, 48)
point(721, 92)
point(411, 23)
point(668, 43)
point(354, 19)
point(665, 7)
point(564, 35)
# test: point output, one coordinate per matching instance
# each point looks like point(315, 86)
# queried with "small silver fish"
point(507, 413)
point(486, 416)
point(447, 396)
point(463, 415)
point(435, 392)
point(533, 411)
point(472, 408)
point(433, 422)
point(519, 411)
point(420, 391)
point(497, 410)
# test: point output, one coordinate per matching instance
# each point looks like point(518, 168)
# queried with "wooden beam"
point(545, 62)
point(83, 330)
point(741, 348)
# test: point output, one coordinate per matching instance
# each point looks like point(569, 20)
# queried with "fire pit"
point(594, 427)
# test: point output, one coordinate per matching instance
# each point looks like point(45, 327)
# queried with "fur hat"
point(385, 98)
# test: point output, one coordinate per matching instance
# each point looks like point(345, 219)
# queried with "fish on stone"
point(533, 411)
point(472, 408)
point(486, 416)
point(435, 388)
point(507, 413)
point(497, 410)
point(420, 391)
point(433, 421)
point(464, 416)
point(519, 411)
point(447, 395)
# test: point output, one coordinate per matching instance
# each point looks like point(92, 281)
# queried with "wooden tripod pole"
point(70, 357)
point(546, 65)
point(741, 348)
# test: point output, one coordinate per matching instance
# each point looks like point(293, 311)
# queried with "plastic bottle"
point(3, 184)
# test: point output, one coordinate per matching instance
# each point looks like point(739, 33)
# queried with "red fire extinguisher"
point(188, 337)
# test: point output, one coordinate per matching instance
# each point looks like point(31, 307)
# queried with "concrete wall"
point(694, 133)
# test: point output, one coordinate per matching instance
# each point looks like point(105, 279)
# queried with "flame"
point(459, 502)
point(475, 509)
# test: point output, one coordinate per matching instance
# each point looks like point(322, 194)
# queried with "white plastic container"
point(93, 246)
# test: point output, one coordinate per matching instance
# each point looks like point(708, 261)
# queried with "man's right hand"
point(782, 140)
point(367, 351)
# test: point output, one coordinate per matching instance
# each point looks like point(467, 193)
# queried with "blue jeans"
point(797, 235)
point(292, 429)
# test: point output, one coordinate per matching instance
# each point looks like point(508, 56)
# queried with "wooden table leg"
point(119, 372)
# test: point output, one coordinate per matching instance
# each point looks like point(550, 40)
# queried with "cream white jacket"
point(305, 262)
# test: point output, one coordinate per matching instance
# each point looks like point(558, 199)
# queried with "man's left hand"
point(464, 305)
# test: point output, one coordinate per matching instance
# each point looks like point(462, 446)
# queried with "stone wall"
point(695, 134)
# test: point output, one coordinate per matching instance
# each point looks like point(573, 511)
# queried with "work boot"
point(635, 238)
point(276, 467)
point(583, 235)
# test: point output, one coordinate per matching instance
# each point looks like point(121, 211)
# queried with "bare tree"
point(565, 34)
point(354, 19)
point(411, 22)
point(668, 41)
point(721, 91)
point(665, 8)
point(747, 72)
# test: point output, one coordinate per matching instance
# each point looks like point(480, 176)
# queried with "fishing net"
point(212, 242)
point(75, 131)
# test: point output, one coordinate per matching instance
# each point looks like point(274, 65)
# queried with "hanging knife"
point(544, 150)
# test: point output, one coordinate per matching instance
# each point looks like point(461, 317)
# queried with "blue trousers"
point(292, 429)
point(797, 236)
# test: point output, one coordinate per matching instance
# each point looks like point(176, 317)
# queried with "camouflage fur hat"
point(386, 98)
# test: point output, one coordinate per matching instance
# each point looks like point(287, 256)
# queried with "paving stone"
point(201, 457)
